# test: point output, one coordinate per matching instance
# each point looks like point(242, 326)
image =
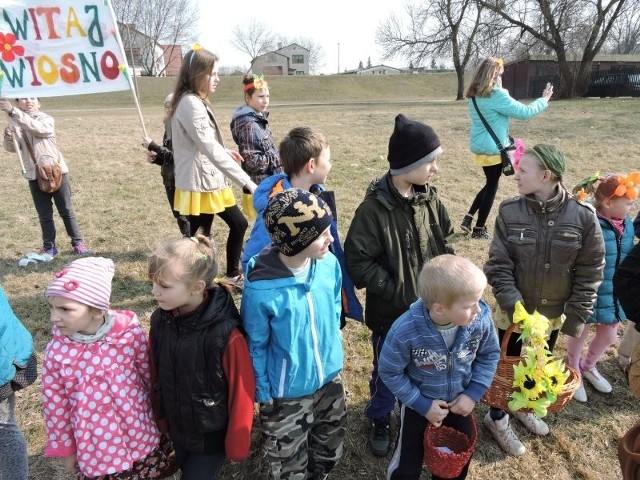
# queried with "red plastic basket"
point(443, 464)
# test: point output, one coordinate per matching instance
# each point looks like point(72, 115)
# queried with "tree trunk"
point(460, 76)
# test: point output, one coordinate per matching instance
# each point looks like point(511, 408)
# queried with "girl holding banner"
point(203, 166)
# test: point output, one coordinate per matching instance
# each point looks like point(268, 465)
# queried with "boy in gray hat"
point(399, 226)
point(291, 312)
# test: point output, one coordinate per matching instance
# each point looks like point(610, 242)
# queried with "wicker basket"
point(448, 465)
point(499, 393)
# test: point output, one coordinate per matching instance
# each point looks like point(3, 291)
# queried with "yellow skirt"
point(195, 203)
point(487, 160)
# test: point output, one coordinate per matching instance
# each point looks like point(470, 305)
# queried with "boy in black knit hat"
point(399, 226)
point(291, 312)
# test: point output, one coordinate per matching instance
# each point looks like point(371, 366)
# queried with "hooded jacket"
point(293, 327)
point(549, 255)
point(416, 365)
point(389, 240)
point(16, 343)
point(250, 131)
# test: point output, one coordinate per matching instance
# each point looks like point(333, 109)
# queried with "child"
point(204, 385)
point(250, 130)
point(548, 253)
point(163, 155)
point(398, 227)
point(203, 166)
point(96, 381)
point(17, 370)
point(291, 311)
point(626, 287)
point(35, 133)
point(306, 159)
point(439, 358)
point(613, 200)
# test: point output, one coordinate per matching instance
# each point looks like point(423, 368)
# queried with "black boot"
point(480, 233)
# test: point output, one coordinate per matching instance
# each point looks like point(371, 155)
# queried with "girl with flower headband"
point(497, 107)
point(613, 198)
point(547, 252)
point(96, 382)
point(204, 384)
point(250, 130)
point(203, 166)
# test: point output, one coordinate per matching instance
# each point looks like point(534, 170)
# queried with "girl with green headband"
point(548, 253)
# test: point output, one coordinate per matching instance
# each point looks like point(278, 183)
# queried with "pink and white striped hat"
point(86, 280)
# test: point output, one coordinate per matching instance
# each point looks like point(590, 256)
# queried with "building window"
point(299, 72)
point(297, 58)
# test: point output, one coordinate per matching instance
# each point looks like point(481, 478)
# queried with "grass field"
point(122, 211)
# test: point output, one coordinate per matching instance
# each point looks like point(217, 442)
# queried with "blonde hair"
point(483, 79)
point(447, 278)
point(194, 258)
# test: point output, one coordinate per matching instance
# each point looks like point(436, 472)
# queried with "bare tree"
point(571, 29)
point(253, 38)
point(625, 33)
point(152, 24)
point(436, 28)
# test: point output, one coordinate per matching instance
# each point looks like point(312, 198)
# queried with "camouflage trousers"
point(303, 437)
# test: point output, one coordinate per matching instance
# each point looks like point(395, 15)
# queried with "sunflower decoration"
point(539, 377)
point(259, 83)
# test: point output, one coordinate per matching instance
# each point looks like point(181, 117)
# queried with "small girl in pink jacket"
point(95, 381)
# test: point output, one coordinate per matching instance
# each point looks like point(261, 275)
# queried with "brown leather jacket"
point(548, 255)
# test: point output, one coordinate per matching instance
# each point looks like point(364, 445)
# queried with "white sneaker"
point(581, 394)
point(533, 423)
point(597, 380)
point(506, 438)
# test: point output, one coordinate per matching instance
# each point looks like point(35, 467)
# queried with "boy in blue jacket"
point(291, 312)
point(439, 358)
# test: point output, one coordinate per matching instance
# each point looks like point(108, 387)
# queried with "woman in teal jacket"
point(496, 106)
point(17, 369)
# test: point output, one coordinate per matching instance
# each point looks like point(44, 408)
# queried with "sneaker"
point(480, 233)
point(379, 436)
point(581, 394)
point(597, 380)
point(52, 252)
point(465, 226)
point(506, 438)
point(81, 249)
point(533, 423)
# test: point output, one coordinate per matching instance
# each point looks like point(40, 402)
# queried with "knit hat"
point(86, 280)
point(551, 157)
point(412, 144)
point(295, 219)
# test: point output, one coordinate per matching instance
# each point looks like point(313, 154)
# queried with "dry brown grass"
point(122, 211)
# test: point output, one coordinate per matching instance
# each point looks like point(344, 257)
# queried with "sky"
point(351, 23)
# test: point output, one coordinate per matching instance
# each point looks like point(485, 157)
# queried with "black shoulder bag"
point(507, 164)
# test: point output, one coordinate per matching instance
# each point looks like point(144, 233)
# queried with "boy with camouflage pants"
point(291, 312)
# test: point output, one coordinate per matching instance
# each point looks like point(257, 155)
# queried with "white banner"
point(66, 47)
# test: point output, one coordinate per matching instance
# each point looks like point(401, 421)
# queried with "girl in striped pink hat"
point(95, 381)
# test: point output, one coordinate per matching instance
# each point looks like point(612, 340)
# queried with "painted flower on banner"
point(9, 48)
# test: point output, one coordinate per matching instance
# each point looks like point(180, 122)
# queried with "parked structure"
point(290, 60)
point(527, 77)
point(375, 70)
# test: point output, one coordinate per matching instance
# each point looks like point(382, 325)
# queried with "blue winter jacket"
point(259, 237)
point(497, 109)
point(16, 343)
point(293, 328)
point(418, 368)
point(607, 308)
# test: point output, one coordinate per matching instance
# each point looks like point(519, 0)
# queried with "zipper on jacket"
point(283, 376)
point(314, 337)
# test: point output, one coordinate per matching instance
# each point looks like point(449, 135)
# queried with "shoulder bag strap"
point(486, 125)
point(29, 147)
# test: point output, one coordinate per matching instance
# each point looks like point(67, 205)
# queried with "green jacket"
point(389, 240)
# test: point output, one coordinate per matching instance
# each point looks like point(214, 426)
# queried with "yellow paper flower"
point(122, 67)
point(259, 83)
point(499, 61)
point(195, 47)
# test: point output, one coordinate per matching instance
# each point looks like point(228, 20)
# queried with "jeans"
point(198, 466)
point(44, 206)
point(382, 401)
